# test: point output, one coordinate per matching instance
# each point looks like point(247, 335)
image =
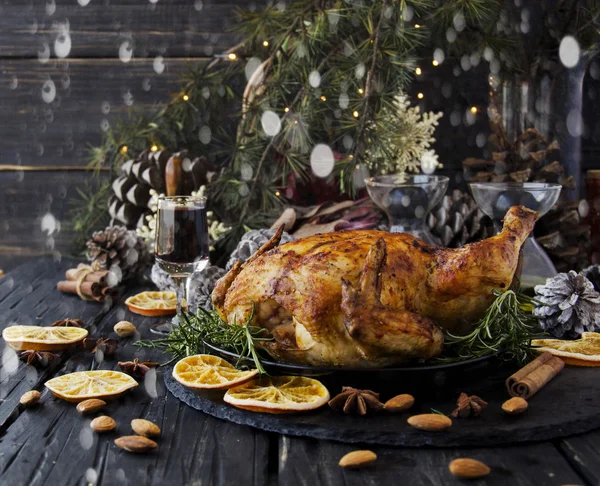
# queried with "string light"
point(185, 97)
point(286, 109)
point(266, 43)
point(417, 26)
point(435, 63)
point(232, 56)
point(355, 114)
point(418, 71)
point(323, 98)
point(277, 193)
point(154, 148)
point(474, 110)
point(420, 96)
point(124, 149)
point(360, 91)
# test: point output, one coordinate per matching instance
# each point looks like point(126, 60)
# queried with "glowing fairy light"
point(435, 63)
point(266, 43)
point(232, 56)
point(474, 110)
point(355, 114)
point(124, 149)
point(420, 96)
point(418, 71)
point(185, 97)
point(154, 148)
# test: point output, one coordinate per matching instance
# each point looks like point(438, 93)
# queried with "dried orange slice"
point(153, 303)
point(278, 394)
point(581, 352)
point(38, 338)
point(81, 385)
point(207, 372)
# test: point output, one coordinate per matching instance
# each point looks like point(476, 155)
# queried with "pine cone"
point(131, 189)
point(251, 242)
point(119, 250)
point(457, 220)
point(593, 275)
point(569, 305)
point(200, 286)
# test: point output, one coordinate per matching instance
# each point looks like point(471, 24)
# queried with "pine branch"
point(376, 38)
point(299, 96)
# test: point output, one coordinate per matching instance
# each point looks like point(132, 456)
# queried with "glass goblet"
point(495, 198)
point(182, 244)
point(407, 199)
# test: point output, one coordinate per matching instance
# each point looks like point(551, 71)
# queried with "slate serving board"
point(568, 405)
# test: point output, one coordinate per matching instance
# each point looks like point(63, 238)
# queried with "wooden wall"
point(70, 68)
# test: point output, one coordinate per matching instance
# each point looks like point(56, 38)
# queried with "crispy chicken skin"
point(369, 298)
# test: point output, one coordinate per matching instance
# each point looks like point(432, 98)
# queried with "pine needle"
point(507, 328)
point(194, 330)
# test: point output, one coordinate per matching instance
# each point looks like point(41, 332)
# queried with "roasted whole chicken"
point(368, 298)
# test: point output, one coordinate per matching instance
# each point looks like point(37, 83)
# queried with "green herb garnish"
point(194, 330)
point(507, 327)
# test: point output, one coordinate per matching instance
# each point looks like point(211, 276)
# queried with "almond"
point(125, 329)
point(356, 459)
point(432, 422)
point(145, 428)
point(515, 406)
point(103, 423)
point(399, 403)
point(466, 468)
point(90, 405)
point(135, 443)
point(30, 398)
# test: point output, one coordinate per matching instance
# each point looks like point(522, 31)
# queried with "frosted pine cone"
point(593, 275)
point(569, 305)
point(251, 242)
point(200, 287)
point(119, 250)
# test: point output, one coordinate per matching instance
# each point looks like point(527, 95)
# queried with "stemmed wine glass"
point(182, 245)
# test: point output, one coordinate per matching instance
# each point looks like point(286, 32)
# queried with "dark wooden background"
point(56, 99)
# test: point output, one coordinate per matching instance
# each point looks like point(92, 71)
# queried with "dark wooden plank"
point(59, 108)
point(98, 29)
point(28, 296)
point(583, 452)
point(29, 203)
point(53, 444)
point(315, 463)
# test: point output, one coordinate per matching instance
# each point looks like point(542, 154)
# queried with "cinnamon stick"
point(89, 289)
point(532, 377)
point(96, 277)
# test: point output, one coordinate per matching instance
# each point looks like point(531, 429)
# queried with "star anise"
point(469, 406)
point(69, 323)
point(137, 368)
point(356, 402)
point(38, 358)
point(108, 346)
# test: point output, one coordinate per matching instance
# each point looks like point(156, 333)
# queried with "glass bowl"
point(407, 199)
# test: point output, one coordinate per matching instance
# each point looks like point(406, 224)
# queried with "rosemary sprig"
point(508, 326)
point(194, 330)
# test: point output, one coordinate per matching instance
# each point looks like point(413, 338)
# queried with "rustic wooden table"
point(52, 444)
